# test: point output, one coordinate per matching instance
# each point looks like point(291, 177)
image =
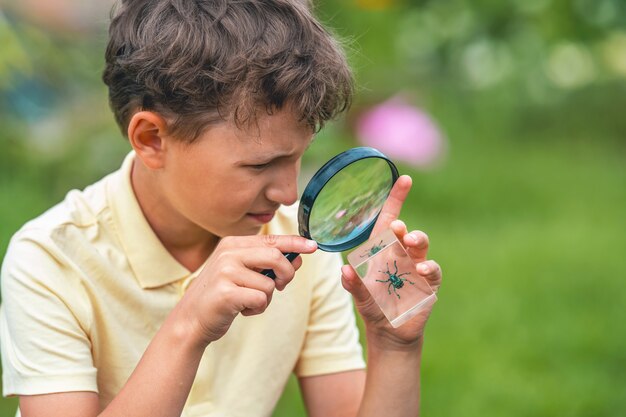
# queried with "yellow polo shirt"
point(86, 286)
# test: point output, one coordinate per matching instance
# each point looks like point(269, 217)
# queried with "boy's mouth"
point(262, 217)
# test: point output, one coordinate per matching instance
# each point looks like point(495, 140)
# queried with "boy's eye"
point(260, 166)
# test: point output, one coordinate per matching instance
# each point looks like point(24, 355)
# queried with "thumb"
point(363, 300)
point(353, 284)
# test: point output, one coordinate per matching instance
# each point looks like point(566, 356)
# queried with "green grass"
point(530, 245)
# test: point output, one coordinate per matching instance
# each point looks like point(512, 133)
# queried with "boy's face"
point(230, 181)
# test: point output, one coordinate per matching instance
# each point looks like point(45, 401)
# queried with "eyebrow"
point(264, 159)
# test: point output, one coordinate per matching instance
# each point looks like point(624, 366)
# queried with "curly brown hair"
point(197, 62)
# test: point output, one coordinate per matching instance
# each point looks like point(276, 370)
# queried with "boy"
point(141, 295)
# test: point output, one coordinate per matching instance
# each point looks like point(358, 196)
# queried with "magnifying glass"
point(341, 203)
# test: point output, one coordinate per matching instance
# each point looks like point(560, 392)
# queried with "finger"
point(254, 281)
point(268, 258)
point(392, 207)
point(283, 280)
point(431, 272)
point(297, 263)
point(363, 300)
point(256, 311)
point(280, 283)
point(284, 243)
point(353, 284)
point(250, 287)
point(416, 243)
point(251, 302)
point(399, 229)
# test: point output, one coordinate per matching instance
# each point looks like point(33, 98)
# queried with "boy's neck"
point(189, 244)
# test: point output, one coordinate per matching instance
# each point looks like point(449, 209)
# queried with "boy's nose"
point(287, 195)
point(284, 190)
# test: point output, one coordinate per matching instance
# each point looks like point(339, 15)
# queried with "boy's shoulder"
point(78, 209)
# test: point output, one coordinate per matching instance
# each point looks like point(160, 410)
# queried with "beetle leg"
point(397, 295)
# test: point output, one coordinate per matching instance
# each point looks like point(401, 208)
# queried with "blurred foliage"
point(532, 47)
point(526, 215)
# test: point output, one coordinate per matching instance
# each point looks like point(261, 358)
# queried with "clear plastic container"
point(391, 277)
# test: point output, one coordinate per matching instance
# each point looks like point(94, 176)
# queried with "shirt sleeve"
point(332, 339)
point(44, 322)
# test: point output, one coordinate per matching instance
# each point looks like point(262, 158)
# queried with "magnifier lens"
point(350, 201)
point(343, 199)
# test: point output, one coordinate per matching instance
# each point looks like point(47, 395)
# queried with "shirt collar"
point(151, 263)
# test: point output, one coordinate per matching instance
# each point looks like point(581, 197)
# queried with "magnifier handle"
point(290, 257)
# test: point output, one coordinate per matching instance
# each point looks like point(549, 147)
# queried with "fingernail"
point(414, 238)
point(424, 269)
point(311, 244)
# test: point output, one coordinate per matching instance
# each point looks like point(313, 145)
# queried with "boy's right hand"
point(230, 282)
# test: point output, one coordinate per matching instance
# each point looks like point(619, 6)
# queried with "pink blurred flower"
point(402, 132)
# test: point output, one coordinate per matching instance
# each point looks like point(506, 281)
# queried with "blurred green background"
point(526, 212)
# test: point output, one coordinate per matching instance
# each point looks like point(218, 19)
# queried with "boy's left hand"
point(416, 243)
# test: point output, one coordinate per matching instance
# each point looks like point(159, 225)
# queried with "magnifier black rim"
point(321, 178)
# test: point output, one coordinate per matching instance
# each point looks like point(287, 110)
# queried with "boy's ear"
point(147, 136)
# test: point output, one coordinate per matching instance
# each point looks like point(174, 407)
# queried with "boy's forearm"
point(160, 384)
point(392, 387)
